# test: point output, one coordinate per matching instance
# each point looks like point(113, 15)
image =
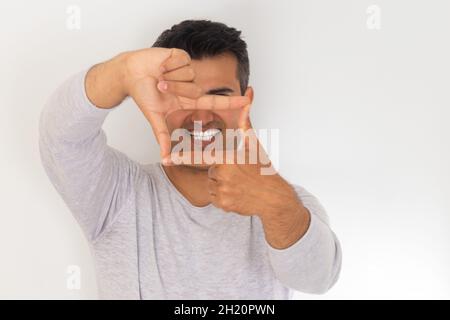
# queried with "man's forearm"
point(286, 221)
point(104, 83)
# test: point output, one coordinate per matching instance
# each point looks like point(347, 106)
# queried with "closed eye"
point(225, 91)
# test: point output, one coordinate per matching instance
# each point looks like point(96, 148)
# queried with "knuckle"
point(182, 54)
point(224, 188)
point(225, 204)
point(221, 201)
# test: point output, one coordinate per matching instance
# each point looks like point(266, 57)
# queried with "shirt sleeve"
point(95, 180)
point(313, 263)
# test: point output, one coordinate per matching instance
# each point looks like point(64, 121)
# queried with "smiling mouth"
point(206, 135)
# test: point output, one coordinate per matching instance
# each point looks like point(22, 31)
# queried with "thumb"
point(245, 128)
point(161, 132)
point(244, 118)
point(249, 138)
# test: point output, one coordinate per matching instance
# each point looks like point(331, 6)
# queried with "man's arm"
point(94, 180)
point(304, 252)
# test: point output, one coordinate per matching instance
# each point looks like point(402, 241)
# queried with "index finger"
point(214, 102)
point(161, 132)
point(178, 58)
point(244, 118)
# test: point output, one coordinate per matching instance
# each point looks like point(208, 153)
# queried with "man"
point(182, 231)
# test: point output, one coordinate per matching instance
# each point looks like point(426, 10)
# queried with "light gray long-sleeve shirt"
point(148, 241)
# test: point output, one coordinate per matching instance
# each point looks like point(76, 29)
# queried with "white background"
point(363, 117)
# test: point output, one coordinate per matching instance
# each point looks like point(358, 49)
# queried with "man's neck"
point(191, 182)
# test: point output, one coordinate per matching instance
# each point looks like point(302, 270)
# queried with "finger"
point(178, 58)
point(161, 132)
point(185, 73)
point(212, 173)
point(212, 187)
point(214, 102)
point(244, 118)
point(183, 89)
point(245, 128)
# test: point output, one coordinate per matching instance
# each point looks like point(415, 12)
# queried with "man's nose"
point(205, 116)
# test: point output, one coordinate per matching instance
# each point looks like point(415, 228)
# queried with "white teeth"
point(204, 135)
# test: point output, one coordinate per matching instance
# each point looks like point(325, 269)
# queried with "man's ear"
point(249, 93)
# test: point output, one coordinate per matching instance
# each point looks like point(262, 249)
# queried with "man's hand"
point(241, 188)
point(160, 81)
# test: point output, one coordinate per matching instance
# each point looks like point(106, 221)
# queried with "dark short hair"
point(205, 38)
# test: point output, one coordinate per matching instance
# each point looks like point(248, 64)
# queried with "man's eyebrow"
point(220, 91)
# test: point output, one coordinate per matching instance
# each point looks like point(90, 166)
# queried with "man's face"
point(214, 75)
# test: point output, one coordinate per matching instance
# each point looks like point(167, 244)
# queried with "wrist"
point(104, 83)
point(286, 227)
point(121, 72)
point(277, 196)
